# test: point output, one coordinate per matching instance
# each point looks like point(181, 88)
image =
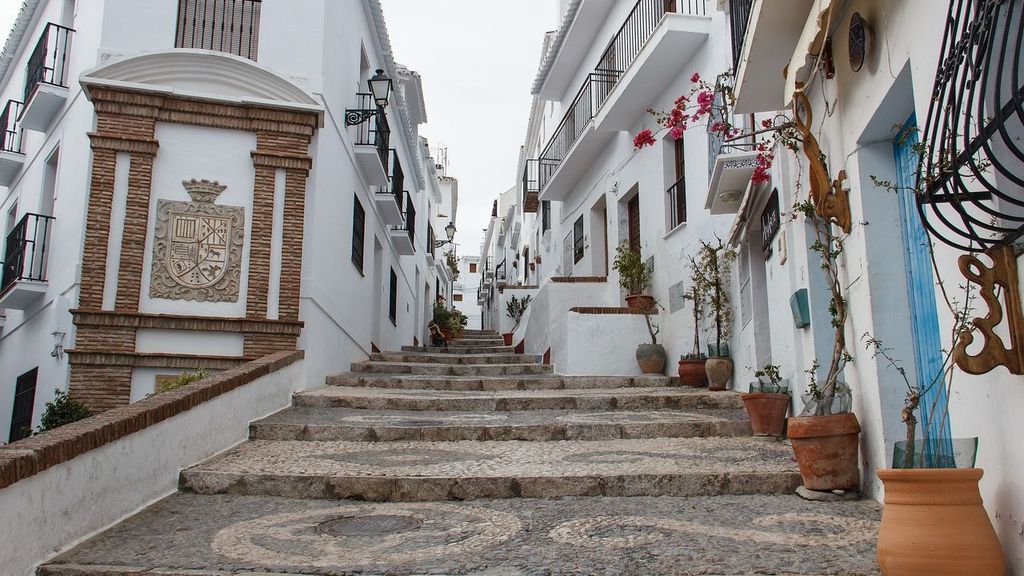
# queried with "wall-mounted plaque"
point(771, 221)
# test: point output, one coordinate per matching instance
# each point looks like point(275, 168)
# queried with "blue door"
point(921, 287)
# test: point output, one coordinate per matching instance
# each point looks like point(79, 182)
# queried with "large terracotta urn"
point(651, 358)
point(934, 524)
point(692, 372)
point(719, 371)
point(826, 450)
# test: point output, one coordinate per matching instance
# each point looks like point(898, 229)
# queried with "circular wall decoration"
point(860, 41)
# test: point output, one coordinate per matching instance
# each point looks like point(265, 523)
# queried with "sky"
point(478, 60)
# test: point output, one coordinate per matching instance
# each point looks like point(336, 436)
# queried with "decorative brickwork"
point(104, 354)
point(578, 279)
point(605, 310)
point(31, 456)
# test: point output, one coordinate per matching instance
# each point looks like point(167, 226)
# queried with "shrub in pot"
point(711, 275)
point(634, 276)
point(691, 366)
point(515, 308)
point(767, 402)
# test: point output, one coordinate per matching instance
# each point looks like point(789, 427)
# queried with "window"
point(633, 212)
point(358, 232)
point(677, 193)
point(231, 26)
point(456, 297)
point(545, 215)
point(577, 240)
point(24, 404)
point(393, 299)
point(472, 268)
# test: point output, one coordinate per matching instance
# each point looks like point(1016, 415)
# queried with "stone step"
point(310, 423)
point(453, 349)
point(464, 358)
point(200, 535)
point(421, 471)
point(480, 340)
point(498, 383)
point(481, 332)
point(427, 368)
point(473, 401)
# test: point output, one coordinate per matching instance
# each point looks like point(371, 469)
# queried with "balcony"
point(431, 251)
point(574, 143)
point(46, 87)
point(732, 167)
point(531, 186)
point(404, 236)
point(389, 200)
point(11, 158)
point(770, 36)
point(372, 140)
point(653, 47)
point(576, 41)
point(24, 267)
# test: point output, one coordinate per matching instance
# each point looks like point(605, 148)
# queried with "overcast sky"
point(478, 59)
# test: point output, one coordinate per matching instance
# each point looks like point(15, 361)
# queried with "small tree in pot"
point(767, 402)
point(515, 308)
point(634, 276)
point(712, 273)
point(691, 366)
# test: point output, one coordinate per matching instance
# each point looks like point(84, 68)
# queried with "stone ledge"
point(605, 310)
point(104, 318)
point(28, 457)
point(579, 279)
point(154, 360)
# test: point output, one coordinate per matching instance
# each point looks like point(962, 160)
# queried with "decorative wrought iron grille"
point(531, 185)
point(11, 127)
point(397, 178)
point(739, 17)
point(231, 26)
point(971, 180)
point(26, 252)
point(583, 108)
point(371, 124)
point(49, 61)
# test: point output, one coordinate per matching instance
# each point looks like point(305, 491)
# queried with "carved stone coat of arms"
point(197, 248)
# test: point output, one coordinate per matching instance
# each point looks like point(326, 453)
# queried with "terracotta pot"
point(767, 412)
point(640, 301)
point(651, 358)
point(719, 371)
point(507, 337)
point(692, 373)
point(826, 449)
point(448, 336)
point(934, 524)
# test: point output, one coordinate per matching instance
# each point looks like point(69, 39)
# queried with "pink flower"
point(760, 175)
point(677, 132)
point(766, 123)
point(695, 78)
point(644, 138)
point(705, 98)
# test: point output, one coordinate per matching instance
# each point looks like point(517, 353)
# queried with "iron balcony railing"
point(531, 185)
point(638, 27)
point(231, 26)
point(11, 127)
point(26, 251)
point(49, 61)
point(584, 107)
point(374, 132)
point(430, 239)
point(410, 220)
point(499, 271)
point(739, 18)
point(677, 202)
point(396, 176)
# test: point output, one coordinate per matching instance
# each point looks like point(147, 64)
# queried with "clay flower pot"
point(767, 412)
point(692, 373)
point(934, 524)
point(640, 301)
point(719, 371)
point(651, 358)
point(826, 450)
point(507, 337)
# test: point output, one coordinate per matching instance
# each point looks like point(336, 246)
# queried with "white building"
point(179, 197)
point(466, 291)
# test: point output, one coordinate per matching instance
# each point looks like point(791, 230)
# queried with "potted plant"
point(450, 321)
point(514, 309)
point(825, 435)
point(767, 402)
point(691, 366)
point(651, 357)
point(711, 274)
point(634, 276)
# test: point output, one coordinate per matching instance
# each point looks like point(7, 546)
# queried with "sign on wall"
point(197, 247)
point(771, 221)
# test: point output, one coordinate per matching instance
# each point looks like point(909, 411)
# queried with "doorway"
point(599, 238)
point(378, 293)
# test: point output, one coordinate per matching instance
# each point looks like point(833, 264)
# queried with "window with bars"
point(393, 298)
point(577, 240)
point(358, 232)
point(545, 216)
point(677, 192)
point(231, 26)
point(633, 214)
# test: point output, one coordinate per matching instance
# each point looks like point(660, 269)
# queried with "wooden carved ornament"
point(993, 353)
point(830, 200)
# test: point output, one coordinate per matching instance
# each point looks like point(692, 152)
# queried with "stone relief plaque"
point(197, 247)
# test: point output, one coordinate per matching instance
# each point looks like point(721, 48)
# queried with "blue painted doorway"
point(921, 291)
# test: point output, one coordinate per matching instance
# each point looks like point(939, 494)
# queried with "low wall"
point(596, 341)
point(546, 316)
point(60, 487)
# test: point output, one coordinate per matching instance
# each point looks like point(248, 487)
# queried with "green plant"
point(769, 379)
point(62, 410)
point(711, 272)
point(453, 265)
point(634, 276)
point(450, 319)
point(183, 380)
point(516, 307)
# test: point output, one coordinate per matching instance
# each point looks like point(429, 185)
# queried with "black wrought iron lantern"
point(380, 87)
point(450, 231)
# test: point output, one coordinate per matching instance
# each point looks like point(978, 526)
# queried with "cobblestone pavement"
point(724, 535)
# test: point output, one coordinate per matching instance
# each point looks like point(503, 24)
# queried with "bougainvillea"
point(698, 104)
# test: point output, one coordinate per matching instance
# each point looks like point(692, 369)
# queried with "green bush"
point(185, 379)
point(63, 410)
point(634, 275)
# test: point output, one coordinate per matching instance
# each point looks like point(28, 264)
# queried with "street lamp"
point(449, 230)
point(380, 91)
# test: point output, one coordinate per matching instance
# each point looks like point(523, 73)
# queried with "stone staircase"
point(480, 460)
